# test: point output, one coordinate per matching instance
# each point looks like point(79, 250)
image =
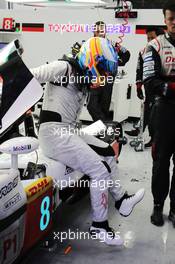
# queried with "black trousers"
point(163, 150)
point(147, 115)
point(148, 104)
point(99, 102)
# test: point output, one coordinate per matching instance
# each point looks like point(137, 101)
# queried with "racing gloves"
point(139, 90)
point(169, 90)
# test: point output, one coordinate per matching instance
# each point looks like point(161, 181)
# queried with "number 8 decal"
point(45, 213)
point(7, 23)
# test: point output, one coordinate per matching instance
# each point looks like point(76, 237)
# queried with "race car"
point(26, 206)
point(20, 200)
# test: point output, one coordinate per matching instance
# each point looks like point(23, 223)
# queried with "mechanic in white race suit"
point(64, 95)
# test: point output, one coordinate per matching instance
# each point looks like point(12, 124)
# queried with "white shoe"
point(109, 237)
point(128, 203)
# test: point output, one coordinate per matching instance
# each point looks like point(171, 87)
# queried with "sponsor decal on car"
point(14, 200)
point(38, 187)
point(23, 147)
point(8, 188)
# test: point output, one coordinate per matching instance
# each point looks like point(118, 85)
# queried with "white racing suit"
point(81, 152)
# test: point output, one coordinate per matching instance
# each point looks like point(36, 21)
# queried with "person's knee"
point(104, 171)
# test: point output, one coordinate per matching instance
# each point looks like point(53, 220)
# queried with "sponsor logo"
point(149, 63)
point(148, 68)
point(169, 59)
point(148, 74)
point(149, 54)
point(8, 188)
point(14, 200)
point(148, 59)
point(38, 187)
point(168, 52)
point(20, 148)
point(10, 246)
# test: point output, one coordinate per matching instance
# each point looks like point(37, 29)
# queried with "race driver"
point(82, 152)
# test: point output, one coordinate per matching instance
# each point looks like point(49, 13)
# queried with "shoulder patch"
point(155, 43)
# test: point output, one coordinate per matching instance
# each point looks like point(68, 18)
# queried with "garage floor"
point(144, 243)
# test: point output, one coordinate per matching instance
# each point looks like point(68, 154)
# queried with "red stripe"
point(158, 44)
point(140, 31)
point(32, 29)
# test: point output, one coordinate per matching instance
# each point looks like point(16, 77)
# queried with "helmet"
point(98, 58)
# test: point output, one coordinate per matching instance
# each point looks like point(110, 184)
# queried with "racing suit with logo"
point(60, 141)
point(149, 97)
point(159, 75)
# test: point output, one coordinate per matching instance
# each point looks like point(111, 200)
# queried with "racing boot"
point(104, 233)
point(126, 204)
point(157, 215)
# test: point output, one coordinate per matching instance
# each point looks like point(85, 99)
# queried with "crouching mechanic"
point(82, 152)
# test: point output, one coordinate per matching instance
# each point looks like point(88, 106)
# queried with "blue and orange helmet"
point(98, 58)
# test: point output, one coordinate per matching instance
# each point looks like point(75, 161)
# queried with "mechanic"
point(100, 99)
point(159, 76)
point(82, 152)
point(151, 32)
